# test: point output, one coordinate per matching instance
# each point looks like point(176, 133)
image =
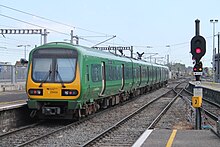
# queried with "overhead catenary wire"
point(104, 41)
point(61, 23)
point(71, 26)
point(30, 14)
point(9, 17)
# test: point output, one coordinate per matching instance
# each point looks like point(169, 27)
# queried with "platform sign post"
point(197, 97)
point(197, 103)
point(198, 50)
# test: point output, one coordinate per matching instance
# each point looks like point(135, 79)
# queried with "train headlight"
point(35, 91)
point(69, 92)
point(66, 92)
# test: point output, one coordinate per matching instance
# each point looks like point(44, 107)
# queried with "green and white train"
point(67, 81)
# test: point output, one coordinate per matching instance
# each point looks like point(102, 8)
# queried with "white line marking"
point(142, 138)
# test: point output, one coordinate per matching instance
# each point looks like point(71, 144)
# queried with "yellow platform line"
point(172, 136)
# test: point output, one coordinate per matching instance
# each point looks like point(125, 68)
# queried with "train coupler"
point(51, 110)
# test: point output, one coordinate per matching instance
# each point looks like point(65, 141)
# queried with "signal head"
point(198, 50)
point(198, 47)
point(198, 67)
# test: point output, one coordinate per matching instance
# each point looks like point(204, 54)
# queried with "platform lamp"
point(213, 21)
point(25, 49)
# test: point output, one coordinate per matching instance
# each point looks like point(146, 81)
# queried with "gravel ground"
point(22, 136)
point(80, 134)
point(128, 132)
point(176, 117)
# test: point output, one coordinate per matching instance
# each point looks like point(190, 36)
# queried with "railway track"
point(208, 106)
point(126, 131)
point(30, 133)
point(210, 111)
point(77, 133)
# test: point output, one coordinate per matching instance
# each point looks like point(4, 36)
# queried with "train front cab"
point(53, 83)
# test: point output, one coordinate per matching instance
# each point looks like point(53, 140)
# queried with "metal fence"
point(12, 74)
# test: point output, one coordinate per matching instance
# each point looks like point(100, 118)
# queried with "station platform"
point(12, 99)
point(211, 90)
point(11, 87)
point(207, 85)
point(177, 138)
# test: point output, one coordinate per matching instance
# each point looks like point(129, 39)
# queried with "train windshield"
point(54, 65)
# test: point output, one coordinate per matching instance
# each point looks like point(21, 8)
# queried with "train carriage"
point(68, 81)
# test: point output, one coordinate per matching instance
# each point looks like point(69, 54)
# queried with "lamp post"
point(213, 57)
point(168, 58)
point(25, 49)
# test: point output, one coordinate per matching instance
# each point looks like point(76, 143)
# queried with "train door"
point(87, 78)
point(87, 82)
point(148, 75)
point(122, 77)
point(140, 75)
point(103, 79)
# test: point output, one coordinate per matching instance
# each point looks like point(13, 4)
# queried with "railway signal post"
point(198, 50)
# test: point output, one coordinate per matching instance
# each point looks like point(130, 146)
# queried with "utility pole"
point(44, 35)
point(213, 56)
point(218, 77)
point(71, 38)
point(74, 37)
point(168, 59)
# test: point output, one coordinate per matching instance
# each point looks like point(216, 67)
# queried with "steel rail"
point(205, 99)
point(20, 129)
point(77, 123)
point(157, 119)
point(57, 130)
point(115, 126)
point(208, 113)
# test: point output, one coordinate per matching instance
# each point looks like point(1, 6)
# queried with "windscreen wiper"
point(61, 80)
point(46, 77)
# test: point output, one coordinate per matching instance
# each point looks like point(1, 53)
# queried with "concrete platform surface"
point(11, 87)
point(12, 99)
point(208, 85)
point(178, 138)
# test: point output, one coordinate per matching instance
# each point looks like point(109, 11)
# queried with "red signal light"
point(198, 50)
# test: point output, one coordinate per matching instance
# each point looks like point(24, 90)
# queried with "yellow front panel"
point(54, 90)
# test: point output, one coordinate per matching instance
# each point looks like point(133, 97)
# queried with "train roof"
point(95, 52)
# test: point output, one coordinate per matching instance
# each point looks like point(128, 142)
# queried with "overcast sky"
point(140, 23)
